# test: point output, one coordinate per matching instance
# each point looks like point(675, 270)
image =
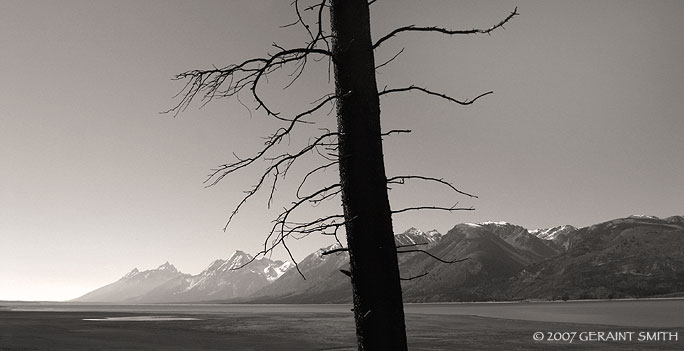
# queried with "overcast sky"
point(585, 125)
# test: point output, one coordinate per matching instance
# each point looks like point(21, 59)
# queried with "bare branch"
point(283, 228)
point(440, 208)
point(282, 57)
point(300, 20)
point(289, 253)
point(395, 131)
point(413, 28)
point(311, 172)
point(430, 92)
point(285, 160)
point(329, 252)
point(414, 277)
point(271, 142)
point(400, 180)
point(320, 35)
point(202, 86)
point(411, 245)
point(433, 256)
point(390, 60)
point(210, 83)
point(273, 187)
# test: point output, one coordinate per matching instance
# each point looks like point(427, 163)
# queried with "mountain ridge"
point(502, 261)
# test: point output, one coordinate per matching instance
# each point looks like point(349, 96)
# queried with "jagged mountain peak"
point(238, 254)
point(239, 259)
point(167, 267)
point(560, 236)
point(513, 261)
point(413, 231)
point(638, 255)
point(414, 236)
point(553, 232)
point(133, 272)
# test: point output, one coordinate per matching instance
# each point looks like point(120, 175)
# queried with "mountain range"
point(636, 256)
point(240, 275)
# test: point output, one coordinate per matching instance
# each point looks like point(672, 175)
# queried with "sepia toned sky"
point(586, 124)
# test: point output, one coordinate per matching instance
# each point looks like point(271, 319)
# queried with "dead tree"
point(355, 149)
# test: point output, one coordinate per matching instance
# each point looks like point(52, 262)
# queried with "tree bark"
point(378, 306)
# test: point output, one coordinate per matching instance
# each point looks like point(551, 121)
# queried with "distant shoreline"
point(324, 304)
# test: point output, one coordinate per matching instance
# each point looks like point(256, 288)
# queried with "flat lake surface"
point(448, 326)
point(636, 313)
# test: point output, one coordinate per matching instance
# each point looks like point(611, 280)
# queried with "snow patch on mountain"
point(221, 280)
point(414, 236)
point(552, 233)
point(642, 216)
point(559, 235)
point(500, 223)
point(277, 269)
point(474, 225)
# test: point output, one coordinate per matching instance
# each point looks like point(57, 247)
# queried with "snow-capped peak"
point(133, 272)
point(167, 267)
point(414, 231)
point(433, 234)
point(559, 235)
point(319, 253)
point(552, 233)
point(239, 259)
point(413, 236)
point(641, 216)
point(500, 223)
point(238, 254)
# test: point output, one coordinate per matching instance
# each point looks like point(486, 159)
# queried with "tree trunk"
point(378, 306)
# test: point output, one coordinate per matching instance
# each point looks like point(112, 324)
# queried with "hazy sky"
point(586, 124)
